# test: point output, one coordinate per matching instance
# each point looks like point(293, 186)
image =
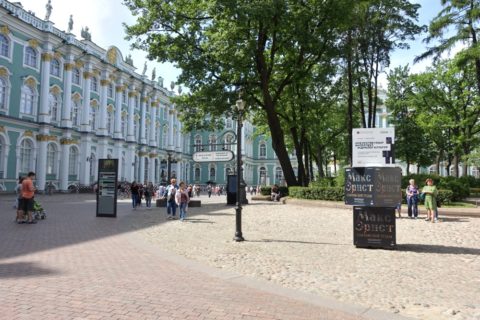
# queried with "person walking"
point(412, 199)
point(134, 192)
point(431, 193)
point(209, 190)
point(28, 192)
point(170, 194)
point(181, 200)
point(148, 193)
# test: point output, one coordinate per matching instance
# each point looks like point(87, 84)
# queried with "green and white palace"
point(65, 103)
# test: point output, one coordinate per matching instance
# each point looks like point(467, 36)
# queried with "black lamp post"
point(238, 211)
point(169, 167)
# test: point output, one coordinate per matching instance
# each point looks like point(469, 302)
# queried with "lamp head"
point(240, 105)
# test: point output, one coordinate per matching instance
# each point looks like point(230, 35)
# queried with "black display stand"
point(107, 188)
point(374, 227)
point(231, 189)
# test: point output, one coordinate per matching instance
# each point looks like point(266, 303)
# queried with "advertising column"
point(107, 188)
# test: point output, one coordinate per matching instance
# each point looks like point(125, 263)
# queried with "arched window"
point(31, 57)
point(263, 175)
point(212, 172)
point(263, 150)
point(198, 143)
point(278, 175)
point(26, 156)
point(73, 161)
point(55, 68)
point(54, 103)
point(28, 100)
point(3, 93)
point(76, 76)
point(74, 112)
point(197, 174)
point(228, 123)
point(51, 155)
point(110, 90)
point(94, 84)
point(145, 173)
point(228, 142)
point(136, 129)
point(4, 46)
point(212, 141)
point(124, 96)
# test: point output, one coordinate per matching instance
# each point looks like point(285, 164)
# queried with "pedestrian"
point(148, 193)
point(209, 190)
point(50, 188)
point(412, 199)
point(140, 194)
point(170, 194)
point(181, 200)
point(189, 190)
point(28, 192)
point(134, 191)
point(275, 195)
point(431, 193)
point(18, 201)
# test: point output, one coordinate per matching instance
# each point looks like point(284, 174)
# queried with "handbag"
point(421, 196)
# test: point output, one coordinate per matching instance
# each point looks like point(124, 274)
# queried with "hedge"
point(267, 190)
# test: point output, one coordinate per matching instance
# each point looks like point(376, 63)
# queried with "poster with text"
point(373, 147)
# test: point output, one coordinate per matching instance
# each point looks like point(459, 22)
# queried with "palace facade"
point(65, 103)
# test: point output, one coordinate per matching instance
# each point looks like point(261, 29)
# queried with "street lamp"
point(238, 211)
point(169, 167)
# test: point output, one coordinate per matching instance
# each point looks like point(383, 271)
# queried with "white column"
point(44, 114)
point(117, 154)
point(170, 129)
point(178, 169)
point(143, 123)
point(130, 159)
point(41, 170)
point(65, 143)
point(178, 146)
point(151, 169)
point(67, 95)
point(117, 133)
point(102, 127)
point(141, 157)
point(131, 116)
point(85, 123)
point(102, 149)
point(85, 151)
point(153, 120)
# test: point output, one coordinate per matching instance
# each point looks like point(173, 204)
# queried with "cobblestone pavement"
point(76, 266)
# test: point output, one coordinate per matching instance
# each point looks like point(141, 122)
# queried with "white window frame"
point(6, 97)
point(37, 60)
point(34, 100)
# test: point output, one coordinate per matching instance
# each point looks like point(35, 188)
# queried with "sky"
point(104, 19)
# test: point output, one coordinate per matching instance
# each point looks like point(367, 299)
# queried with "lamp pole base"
point(238, 237)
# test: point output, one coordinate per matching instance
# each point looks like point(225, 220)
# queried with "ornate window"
point(110, 90)
point(212, 141)
point(228, 142)
point(198, 143)
point(212, 172)
point(76, 76)
point(124, 96)
point(28, 100)
point(74, 112)
point(278, 175)
point(54, 103)
point(4, 46)
point(263, 150)
point(94, 84)
point(55, 68)
point(197, 174)
point(26, 155)
point(72, 161)
point(51, 155)
point(263, 175)
point(164, 136)
point(136, 128)
point(3, 93)
point(31, 57)
point(228, 123)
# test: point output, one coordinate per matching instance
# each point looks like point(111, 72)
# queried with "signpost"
point(107, 188)
point(373, 187)
point(211, 156)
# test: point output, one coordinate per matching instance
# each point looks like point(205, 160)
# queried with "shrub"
point(459, 189)
point(267, 190)
point(317, 193)
point(324, 182)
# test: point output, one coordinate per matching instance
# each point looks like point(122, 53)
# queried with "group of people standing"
point(140, 191)
point(430, 194)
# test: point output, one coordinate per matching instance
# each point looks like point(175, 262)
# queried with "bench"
point(162, 203)
point(195, 203)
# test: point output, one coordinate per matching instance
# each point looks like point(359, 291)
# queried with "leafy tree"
point(261, 46)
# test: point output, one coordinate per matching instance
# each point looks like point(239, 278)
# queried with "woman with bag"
point(412, 199)
point(182, 199)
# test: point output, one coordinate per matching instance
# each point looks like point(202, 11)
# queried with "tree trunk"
point(350, 97)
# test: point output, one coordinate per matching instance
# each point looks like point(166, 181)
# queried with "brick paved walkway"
point(76, 266)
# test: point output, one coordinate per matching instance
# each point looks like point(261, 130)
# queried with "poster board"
point(107, 188)
point(373, 147)
point(374, 227)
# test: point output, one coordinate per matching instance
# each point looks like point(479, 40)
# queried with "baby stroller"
point(38, 211)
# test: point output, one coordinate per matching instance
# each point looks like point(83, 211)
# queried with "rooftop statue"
point(144, 68)
point(154, 74)
point(85, 34)
point(70, 24)
point(49, 8)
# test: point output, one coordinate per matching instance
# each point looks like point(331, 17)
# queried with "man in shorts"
point(28, 191)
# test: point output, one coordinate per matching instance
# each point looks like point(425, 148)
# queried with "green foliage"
point(460, 190)
point(459, 187)
point(324, 182)
point(317, 193)
point(267, 190)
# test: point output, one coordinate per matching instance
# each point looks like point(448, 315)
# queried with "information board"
point(373, 147)
point(374, 227)
point(212, 156)
point(107, 188)
point(373, 186)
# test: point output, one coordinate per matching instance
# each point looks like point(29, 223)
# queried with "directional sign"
point(212, 156)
